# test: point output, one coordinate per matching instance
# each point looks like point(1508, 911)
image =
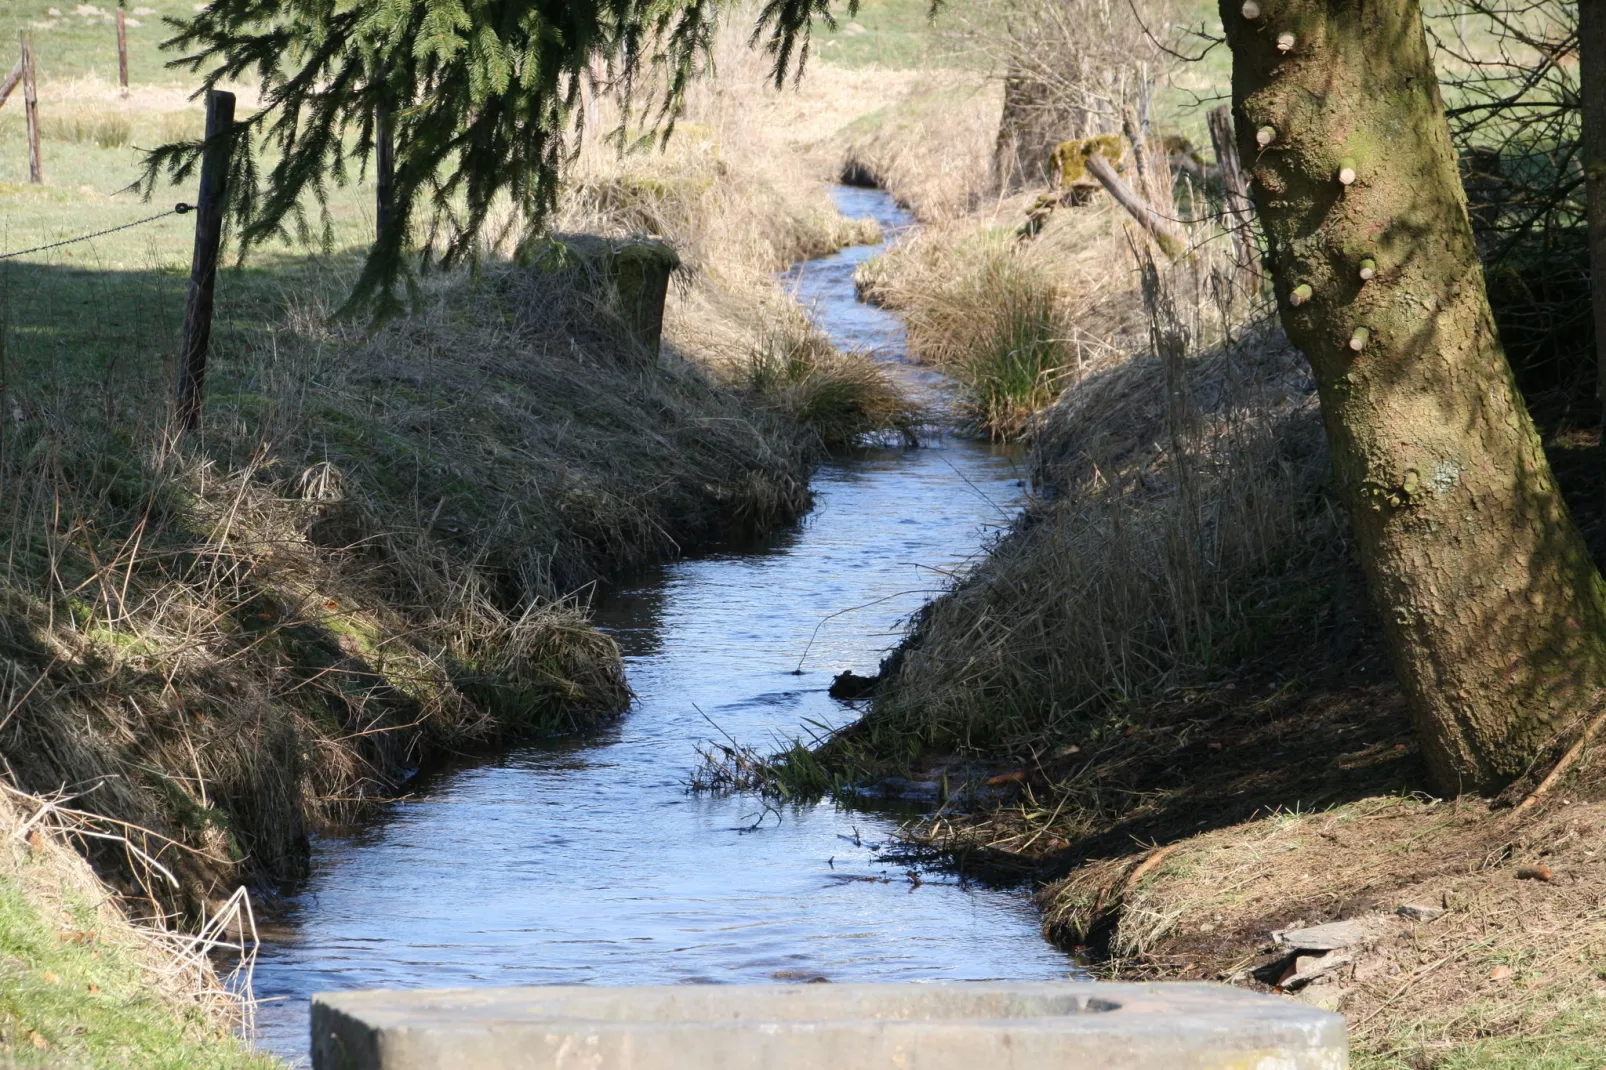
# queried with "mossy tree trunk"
point(1492, 609)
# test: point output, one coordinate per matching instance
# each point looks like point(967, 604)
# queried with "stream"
point(587, 861)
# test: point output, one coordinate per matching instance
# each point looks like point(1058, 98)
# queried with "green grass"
point(69, 45)
point(67, 1001)
point(898, 34)
point(92, 141)
point(1574, 1040)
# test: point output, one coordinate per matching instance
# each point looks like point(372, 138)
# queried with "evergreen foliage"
point(483, 95)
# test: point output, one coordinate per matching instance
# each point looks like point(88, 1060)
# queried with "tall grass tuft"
point(843, 398)
point(105, 131)
point(987, 312)
point(1016, 355)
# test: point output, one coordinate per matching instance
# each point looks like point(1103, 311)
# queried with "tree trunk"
point(1592, 73)
point(1493, 612)
point(1029, 128)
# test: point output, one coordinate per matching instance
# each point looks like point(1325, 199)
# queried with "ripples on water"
point(586, 861)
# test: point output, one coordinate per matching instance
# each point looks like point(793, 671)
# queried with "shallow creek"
point(587, 861)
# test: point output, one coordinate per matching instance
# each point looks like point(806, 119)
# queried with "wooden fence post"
point(209, 207)
point(384, 173)
point(122, 51)
point(30, 105)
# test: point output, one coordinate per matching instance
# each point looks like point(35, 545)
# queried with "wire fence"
point(178, 209)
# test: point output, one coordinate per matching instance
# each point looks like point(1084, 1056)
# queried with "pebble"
point(1418, 911)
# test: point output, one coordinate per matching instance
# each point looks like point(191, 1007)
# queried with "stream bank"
point(588, 861)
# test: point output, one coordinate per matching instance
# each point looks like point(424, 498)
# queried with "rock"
point(1307, 968)
point(897, 787)
point(1418, 911)
point(850, 685)
point(1329, 937)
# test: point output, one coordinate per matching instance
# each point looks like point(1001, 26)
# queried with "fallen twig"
point(1560, 768)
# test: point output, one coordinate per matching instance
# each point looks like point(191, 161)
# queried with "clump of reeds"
point(844, 398)
point(987, 312)
point(795, 773)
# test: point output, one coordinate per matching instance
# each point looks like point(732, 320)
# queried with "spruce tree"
point(482, 95)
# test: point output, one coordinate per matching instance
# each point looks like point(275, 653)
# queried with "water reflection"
point(588, 862)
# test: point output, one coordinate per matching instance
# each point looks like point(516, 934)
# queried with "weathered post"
point(384, 172)
point(30, 105)
point(640, 273)
point(122, 50)
point(203, 267)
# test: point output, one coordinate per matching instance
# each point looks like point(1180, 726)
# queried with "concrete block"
point(632, 274)
point(981, 1026)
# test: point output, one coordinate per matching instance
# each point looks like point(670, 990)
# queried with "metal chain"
point(178, 209)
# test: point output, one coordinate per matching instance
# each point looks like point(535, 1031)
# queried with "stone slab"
point(951, 1026)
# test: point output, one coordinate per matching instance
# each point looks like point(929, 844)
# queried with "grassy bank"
point(80, 987)
point(1159, 698)
point(360, 562)
point(377, 549)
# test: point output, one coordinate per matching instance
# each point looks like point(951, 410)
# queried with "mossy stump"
point(1069, 164)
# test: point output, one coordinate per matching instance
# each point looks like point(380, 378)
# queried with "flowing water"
point(587, 861)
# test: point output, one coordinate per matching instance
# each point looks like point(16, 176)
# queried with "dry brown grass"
point(739, 191)
point(1509, 975)
point(361, 563)
point(1185, 532)
point(931, 148)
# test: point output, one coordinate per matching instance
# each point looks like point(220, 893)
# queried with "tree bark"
point(1592, 73)
point(1492, 609)
point(1028, 129)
